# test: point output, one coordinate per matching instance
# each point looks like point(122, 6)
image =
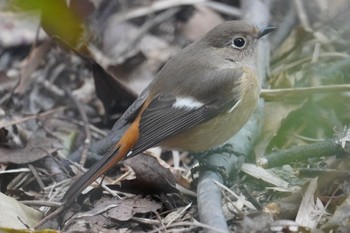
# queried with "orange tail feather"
point(124, 146)
point(92, 174)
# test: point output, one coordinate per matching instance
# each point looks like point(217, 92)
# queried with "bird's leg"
point(205, 164)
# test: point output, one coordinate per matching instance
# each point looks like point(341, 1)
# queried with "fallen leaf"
point(36, 148)
point(30, 64)
point(16, 215)
point(127, 208)
point(263, 174)
point(202, 21)
point(123, 212)
point(151, 176)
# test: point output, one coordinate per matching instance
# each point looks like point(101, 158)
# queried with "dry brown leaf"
point(201, 22)
point(105, 213)
point(36, 148)
point(123, 212)
point(132, 65)
point(151, 176)
point(127, 208)
point(144, 205)
point(30, 64)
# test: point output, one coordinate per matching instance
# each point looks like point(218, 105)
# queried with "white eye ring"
point(239, 42)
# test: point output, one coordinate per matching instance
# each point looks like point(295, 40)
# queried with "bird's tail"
point(93, 173)
point(122, 149)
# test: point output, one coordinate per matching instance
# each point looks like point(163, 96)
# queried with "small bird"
point(199, 99)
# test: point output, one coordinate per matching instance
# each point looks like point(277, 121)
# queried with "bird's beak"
point(265, 31)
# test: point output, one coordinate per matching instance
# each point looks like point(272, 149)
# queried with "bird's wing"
point(130, 114)
point(167, 115)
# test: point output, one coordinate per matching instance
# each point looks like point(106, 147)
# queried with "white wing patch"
point(234, 106)
point(187, 103)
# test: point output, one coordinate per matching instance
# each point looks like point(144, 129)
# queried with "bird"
point(199, 99)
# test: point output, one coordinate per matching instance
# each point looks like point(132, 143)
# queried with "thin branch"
point(42, 203)
point(86, 123)
point(36, 175)
point(302, 15)
point(31, 117)
point(224, 8)
point(287, 93)
point(157, 6)
point(326, 148)
point(285, 27)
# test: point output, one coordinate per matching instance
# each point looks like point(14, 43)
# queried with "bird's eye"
point(238, 43)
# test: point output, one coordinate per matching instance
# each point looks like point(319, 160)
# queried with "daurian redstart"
point(199, 99)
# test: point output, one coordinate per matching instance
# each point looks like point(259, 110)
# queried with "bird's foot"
point(205, 164)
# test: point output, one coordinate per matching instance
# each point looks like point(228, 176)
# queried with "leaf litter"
point(314, 54)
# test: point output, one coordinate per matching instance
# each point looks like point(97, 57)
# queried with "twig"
point(302, 92)
point(42, 203)
point(157, 6)
point(185, 191)
point(324, 211)
point(92, 127)
point(284, 28)
point(51, 87)
point(224, 8)
point(178, 215)
point(31, 117)
point(7, 96)
point(56, 170)
point(36, 175)
point(304, 20)
point(245, 202)
point(151, 23)
point(340, 216)
point(306, 59)
point(313, 172)
point(18, 170)
point(18, 181)
point(56, 184)
point(85, 120)
point(49, 217)
point(319, 149)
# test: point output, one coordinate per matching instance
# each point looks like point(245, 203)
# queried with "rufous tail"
point(124, 146)
point(92, 174)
